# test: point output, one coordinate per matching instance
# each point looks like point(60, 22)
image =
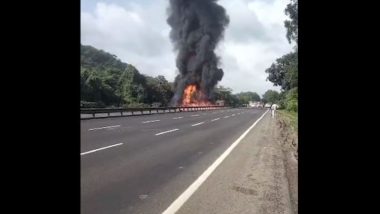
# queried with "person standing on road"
point(274, 108)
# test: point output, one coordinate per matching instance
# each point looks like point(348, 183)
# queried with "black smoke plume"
point(196, 28)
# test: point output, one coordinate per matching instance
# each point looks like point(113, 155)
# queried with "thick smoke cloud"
point(196, 28)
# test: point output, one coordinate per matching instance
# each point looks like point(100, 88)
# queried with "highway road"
point(142, 164)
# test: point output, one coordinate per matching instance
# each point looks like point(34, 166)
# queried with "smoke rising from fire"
point(196, 28)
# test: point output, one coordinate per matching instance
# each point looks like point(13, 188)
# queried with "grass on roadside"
point(290, 118)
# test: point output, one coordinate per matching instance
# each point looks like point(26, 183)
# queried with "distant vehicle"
point(256, 104)
point(267, 105)
point(220, 102)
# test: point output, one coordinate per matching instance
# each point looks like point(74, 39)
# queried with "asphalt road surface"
point(142, 164)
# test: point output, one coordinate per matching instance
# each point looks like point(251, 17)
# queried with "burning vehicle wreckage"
point(196, 28)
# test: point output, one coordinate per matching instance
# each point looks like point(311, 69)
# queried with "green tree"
point(291, 100)
point(133, 86)
point(159, 90)
point(271, 96)
point(223, 93)
point(245, 97)
point(94, 87)
point(99, 59)
point(106, 81)
point(284, 72)
point(292, 24)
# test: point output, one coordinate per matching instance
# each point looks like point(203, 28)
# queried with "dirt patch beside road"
point(287, 137)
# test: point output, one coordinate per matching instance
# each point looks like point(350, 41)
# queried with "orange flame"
point(188, 94)
point(193, 97)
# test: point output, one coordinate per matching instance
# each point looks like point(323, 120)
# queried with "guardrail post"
point(121, 113)
point(93, 114)
point(108, 114)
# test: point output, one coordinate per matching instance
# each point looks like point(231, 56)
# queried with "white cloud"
point(137, 32)
point(133, 33)
point(244, 61)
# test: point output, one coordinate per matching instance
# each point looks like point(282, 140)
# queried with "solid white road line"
point(105, 127)
point(197, 124)
point(195, 115)
point(226, 117)
point(95, 150)
point(150, 121)
point(173, 130)
point(176, 205)
point(215, 119)
point(175, 118)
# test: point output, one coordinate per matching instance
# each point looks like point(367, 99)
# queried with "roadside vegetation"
point(284, 71)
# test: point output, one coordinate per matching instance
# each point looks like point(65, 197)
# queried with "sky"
point(136, 32)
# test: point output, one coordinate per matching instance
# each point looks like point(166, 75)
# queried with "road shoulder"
point(259, 176)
